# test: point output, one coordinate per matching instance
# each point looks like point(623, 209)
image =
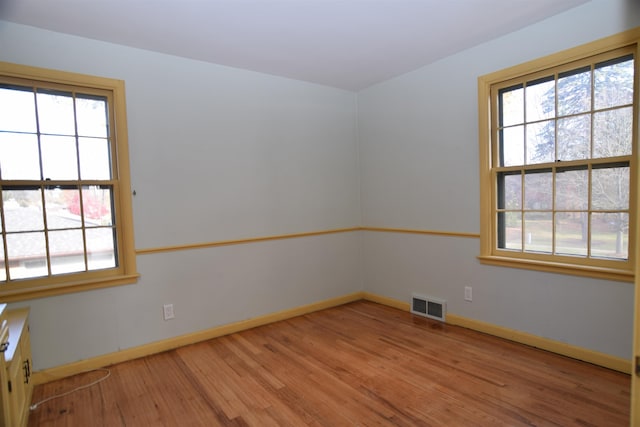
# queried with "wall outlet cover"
point(167, 311)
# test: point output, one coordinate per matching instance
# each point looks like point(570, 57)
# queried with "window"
point(558, 150)
point(65, 211)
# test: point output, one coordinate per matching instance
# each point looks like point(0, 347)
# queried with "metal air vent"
point(433, 308)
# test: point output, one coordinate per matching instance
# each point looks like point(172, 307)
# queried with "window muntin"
point(65, 223)
point(562, 149)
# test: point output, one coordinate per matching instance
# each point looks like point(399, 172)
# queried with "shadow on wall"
point(631, 13)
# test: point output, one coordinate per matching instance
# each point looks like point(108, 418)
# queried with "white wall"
point(419, 169)
point(216, 153)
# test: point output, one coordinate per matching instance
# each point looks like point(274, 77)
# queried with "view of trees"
point(57, 198)
point(577, 128)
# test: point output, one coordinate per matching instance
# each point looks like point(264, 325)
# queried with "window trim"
point(489, 253)
point(126, 272)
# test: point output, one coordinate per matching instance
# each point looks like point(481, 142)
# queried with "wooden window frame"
point(622, 270)
point(125, 272)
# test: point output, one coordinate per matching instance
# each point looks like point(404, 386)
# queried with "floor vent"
point(432, 308)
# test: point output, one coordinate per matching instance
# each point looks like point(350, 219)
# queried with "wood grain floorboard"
point(360, 364)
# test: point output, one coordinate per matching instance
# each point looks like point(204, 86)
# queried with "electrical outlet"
point(468, 293)
point(168, 312)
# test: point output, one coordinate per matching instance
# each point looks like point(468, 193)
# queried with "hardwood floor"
point(361, 364)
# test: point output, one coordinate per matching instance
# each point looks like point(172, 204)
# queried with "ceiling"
point(348, 44)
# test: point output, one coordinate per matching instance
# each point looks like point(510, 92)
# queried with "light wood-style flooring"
point(361, 364)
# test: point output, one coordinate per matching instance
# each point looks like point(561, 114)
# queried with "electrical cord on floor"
point(56, 396)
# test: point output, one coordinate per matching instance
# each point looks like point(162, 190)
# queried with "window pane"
point(574, 92)
point(63, 208)
point(541, 146)
point(540, 99)
point(571, 230)
point(19, 156)
point(537, 191)
point(572, 189)
point(574, 140)
point(612, 132)
point(613, 84)
point(17, 110)
point(101, 248)
point(55, 113)
point(27, 255)
point(512, 225)
point(95, 158)
point(610, 188)
point(91, 114)
point(510, 191)
point(512, 106)
point(538, 231)
point(512, 145)
point(96, 202)
point(22, 210)
point(59, 158)
point(67, 251)
point(610, 235)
